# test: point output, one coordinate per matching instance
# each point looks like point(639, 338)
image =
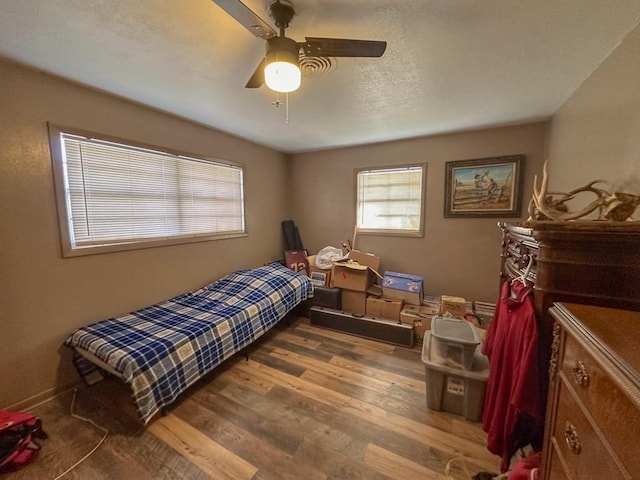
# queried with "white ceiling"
point(450, 65)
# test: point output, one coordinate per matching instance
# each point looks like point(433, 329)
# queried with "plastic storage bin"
point(453, 342)
point(455, 390)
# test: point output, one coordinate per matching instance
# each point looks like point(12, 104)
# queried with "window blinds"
point(390, 199)
point(120, 194)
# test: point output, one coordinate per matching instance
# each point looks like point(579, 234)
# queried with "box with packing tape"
point(454, 306)
point(384, 307)
point(352, 276)
point(418, 316)
point(402, 286)
point(354, 301)
point(369, 259)
point(355, 272)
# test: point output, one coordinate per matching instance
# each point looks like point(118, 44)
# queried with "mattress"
point(164, 348)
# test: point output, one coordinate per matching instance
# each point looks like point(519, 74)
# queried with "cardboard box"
point(413, 313)
point(384, 307)
point(418, 316)
point(456, 306)
point(351, 276)
point(354, 301)
point(311, 260)
point(320, 277)
point(421, 327)
point(368, 259)
point(402, 286)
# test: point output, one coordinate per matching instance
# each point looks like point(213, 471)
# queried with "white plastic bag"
point(326, 256)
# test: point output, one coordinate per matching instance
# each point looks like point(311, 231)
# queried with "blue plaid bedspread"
point(162, 349)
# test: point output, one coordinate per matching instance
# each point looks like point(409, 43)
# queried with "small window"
point(115, 196)
point(390, 200)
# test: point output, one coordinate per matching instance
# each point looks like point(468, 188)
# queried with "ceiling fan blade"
point(245, 17)
point(257, 79)
point(342, 47)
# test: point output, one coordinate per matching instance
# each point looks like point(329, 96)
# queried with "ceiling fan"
point(280, 68)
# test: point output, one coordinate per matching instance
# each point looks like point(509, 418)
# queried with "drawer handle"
point(580, 374)
point(571, 437)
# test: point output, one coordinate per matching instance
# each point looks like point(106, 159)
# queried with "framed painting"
point(484, 187)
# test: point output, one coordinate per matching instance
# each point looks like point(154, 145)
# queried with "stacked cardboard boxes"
point(355, 275)
point(363, 291)
point(403, 286)
point(353, 285)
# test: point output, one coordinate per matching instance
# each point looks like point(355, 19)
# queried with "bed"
point(160, 350)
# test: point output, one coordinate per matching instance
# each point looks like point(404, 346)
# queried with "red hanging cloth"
point(513, 406)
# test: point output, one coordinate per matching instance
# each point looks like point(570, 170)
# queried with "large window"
point(390, 200)
point(115, 196)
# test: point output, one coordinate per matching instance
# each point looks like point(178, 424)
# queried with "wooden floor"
point(308, 404)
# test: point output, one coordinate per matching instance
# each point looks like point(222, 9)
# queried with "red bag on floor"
point(18, 434)
point(527, 468)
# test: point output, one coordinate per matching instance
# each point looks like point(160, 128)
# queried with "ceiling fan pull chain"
point(277, 102)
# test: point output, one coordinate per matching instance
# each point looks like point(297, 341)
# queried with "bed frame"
point(161, 350)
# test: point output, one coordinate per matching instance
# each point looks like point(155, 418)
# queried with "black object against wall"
point(378, 329)
point(289, 230)
point(298, 240)
point(292, 238)
point(329, 297)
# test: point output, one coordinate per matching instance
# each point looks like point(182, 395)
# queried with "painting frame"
point(484, 187)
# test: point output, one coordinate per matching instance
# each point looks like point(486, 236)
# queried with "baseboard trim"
point(40, 398)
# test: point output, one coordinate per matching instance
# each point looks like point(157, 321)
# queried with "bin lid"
point(454, 330)
point(479, 368)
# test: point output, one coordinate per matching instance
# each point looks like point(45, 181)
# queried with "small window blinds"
point(390, 200)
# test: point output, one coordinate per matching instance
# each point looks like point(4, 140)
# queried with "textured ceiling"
point(450, 65)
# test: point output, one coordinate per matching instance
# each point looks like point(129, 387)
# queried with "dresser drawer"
point(556, 470)
point(612, 411)
point(578, 444)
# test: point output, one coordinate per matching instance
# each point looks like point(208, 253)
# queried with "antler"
point(545, 207)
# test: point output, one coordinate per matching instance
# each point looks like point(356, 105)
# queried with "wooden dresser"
point(593, 429)
point(591, 263)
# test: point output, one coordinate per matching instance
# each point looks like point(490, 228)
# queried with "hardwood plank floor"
point(309, 404)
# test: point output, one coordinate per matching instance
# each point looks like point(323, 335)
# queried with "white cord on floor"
point(447, 468)
point(87, 420)
point(449, 465)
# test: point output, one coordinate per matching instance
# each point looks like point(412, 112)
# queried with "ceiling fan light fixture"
point(282, 65)
point(282, 77)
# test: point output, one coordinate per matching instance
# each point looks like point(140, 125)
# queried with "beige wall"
point(596, 133)
point(457, 256)
point(43, 296)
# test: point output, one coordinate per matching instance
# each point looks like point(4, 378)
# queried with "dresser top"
point(594, 226)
